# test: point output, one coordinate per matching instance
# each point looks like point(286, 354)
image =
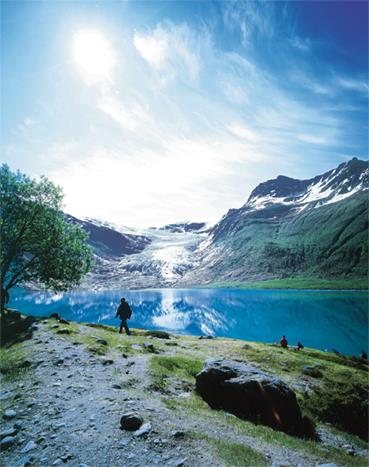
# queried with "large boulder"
point(251, 394)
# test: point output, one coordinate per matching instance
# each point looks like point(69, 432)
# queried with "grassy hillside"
point(65, 367)
point(299, 283)
point(309, 248)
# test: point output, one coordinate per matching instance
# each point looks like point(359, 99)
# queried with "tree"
point(37, 243)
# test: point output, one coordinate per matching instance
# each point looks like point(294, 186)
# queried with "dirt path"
point(69, 412)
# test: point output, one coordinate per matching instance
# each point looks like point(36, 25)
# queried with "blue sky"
point(154, 112)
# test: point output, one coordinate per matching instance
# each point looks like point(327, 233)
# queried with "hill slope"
point(288, 228)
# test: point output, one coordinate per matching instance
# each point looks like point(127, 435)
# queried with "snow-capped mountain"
point(316, 227)
point(331, 187)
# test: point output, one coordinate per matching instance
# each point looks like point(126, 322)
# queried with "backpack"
point(124, 311)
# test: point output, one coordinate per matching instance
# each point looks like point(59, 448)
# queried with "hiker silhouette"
point(124, 312)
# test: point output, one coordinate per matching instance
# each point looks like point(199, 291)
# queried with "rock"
point(312, 371)
point(57, 462)
point(349, 449)
point(54, 315)
point(251, 394)
point(246, 347)
point(63, 321)
point(26, 461)
point(143, 430)
point(55, 326)
point(8, 432)
point(59, 361)
point(177, 434)
point(178, 462)
point(206, 337)
point(29, 446)
point(131, 421)
point(158, 334)
point(7, 442)
point(149, 347)
point(18, 425)
point(101, 341)
point(63, 331)
point(5, 395)
point(9, 414)
point(117, 386)
point(107, 361)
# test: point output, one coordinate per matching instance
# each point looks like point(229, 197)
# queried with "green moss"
point(183, 368)
point(13, 362)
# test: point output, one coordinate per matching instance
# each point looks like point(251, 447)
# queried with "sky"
point(148, 113)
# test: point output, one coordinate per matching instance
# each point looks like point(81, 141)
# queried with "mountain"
point(182, 227)
point(155, 257)
point(288, 227)
point(108, 241)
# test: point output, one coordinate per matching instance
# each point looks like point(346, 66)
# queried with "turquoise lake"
point(321, 319)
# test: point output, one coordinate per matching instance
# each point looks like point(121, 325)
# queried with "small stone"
point(26, 461)
point(9, 414)
point(145, 428)
point(179, 462)
point(59, 361)
point(312, 371)
point(5, 395)
point(6, 442)
point(55, 326)
point(177, 434)
point(107, 361)
point(18, 425)
point(149, 347)
point(63, 321)
point(29, 446)
point(117, 386)
point(63, 331)
point(9, 432)
point(101, 341)
point(206, 337)
point(57, 462)
point(131, 421)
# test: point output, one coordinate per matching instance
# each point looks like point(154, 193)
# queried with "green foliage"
point(345, 404)
point(37, 243)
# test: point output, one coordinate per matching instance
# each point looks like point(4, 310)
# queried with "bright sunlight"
point(93, 55)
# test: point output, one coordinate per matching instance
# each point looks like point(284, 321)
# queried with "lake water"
point(319, 319)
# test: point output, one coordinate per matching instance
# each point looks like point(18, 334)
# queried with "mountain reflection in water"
point(320, 319)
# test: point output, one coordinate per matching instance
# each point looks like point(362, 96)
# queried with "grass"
point(295, 283)
point(182, 368)
point(234, 453)
point(13, 362)
point(222, 422)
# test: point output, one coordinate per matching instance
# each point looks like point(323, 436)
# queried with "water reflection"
point(323, 320)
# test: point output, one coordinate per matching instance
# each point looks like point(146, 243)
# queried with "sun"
point(93, 55)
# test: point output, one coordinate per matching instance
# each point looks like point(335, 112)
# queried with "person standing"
point(124, 312)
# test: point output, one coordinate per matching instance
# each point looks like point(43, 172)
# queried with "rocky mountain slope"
point(288, 228)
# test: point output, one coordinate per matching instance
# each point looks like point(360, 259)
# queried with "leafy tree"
point(37, 243)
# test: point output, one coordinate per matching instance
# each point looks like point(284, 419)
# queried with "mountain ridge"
point(287, 228)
